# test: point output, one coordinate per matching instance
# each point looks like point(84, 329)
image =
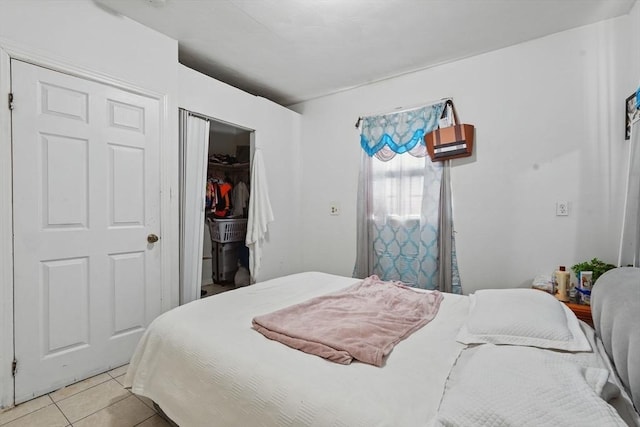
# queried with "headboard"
point(615, 306)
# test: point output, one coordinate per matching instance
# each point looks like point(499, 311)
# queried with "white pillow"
point(525, 317)
point(523, 386)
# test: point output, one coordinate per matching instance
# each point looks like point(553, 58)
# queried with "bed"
point(204, 364)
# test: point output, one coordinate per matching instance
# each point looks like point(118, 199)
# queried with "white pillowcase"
point(525, 317)
point(524, 386)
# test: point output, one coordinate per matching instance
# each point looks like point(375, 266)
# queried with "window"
point(398, 236)
point(397, 187)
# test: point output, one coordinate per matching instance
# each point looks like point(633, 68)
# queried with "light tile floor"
point(99, 401)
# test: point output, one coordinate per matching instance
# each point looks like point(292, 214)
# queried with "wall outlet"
point(334, 208)
point(562, 208)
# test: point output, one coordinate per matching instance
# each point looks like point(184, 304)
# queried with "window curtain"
point(194, 145)
point(405, 225)
point(630, 242)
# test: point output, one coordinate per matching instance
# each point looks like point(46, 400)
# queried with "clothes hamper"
point(227, 237)
point(207, 250)
point(224, 261)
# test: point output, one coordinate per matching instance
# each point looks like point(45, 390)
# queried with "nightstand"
point(582, 312)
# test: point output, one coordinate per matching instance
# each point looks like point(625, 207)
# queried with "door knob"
point(152, 238)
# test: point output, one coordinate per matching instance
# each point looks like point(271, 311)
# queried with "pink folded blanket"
point(362, 322)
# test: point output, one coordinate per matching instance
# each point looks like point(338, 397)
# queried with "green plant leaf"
point(597, 266)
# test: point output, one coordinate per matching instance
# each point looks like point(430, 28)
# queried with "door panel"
point(65, 305)
point(127, 287)
point(86, 195)
point(64, 102)
point(65, 189)
point(126, 172)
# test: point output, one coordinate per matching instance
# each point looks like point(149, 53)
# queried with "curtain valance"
point(395, 133)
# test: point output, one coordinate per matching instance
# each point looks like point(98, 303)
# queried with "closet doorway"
point(215, 174)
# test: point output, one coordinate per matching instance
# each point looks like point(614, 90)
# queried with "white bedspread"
point(205, 365)
point(526, 386)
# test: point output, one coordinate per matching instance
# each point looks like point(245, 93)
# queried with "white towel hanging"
point(260, 213)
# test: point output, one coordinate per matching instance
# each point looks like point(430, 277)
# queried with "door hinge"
point(10, 101)
point(14, 367)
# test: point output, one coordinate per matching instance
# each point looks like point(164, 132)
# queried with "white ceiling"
point(295, 50)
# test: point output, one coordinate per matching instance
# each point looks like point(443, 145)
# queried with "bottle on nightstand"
point(562, 280)
point(573, 292)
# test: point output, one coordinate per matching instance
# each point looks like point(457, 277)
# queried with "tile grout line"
point(32, 412)
point(143, 402)
point(136, 396)
point(151, 416)
point(53, 402)
point(81, 391)
point(28, 413)
point(94, 412)
point(63, 414)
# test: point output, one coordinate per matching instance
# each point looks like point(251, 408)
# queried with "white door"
point(86, 198)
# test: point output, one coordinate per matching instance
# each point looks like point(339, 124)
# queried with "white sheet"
point(204, 365)
point(622, 402)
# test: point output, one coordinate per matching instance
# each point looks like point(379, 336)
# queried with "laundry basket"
point(228, 230)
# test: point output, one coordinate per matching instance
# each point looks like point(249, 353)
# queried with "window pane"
point(397, 186)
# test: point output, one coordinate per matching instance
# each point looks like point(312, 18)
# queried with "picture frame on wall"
point(631, 116)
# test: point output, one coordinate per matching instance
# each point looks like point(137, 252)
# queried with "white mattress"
point(205, 365)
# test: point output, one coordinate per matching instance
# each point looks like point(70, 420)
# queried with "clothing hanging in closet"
point(218, 198)
point(240, 199)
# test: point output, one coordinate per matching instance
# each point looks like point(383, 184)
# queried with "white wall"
point(87, 36)
point(634, 40)
point(277, 131)
point(549, 122)
point(78, 35)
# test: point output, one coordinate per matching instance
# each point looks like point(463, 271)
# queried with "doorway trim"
point(6, 237)
point(8, 51)
point(210, 119)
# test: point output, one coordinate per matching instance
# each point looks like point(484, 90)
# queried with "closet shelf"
point(235, 166)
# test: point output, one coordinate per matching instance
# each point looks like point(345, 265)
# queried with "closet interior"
point(225, 263)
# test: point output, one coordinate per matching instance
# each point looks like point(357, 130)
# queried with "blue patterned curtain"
point(399, 201)
point(388, 134)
